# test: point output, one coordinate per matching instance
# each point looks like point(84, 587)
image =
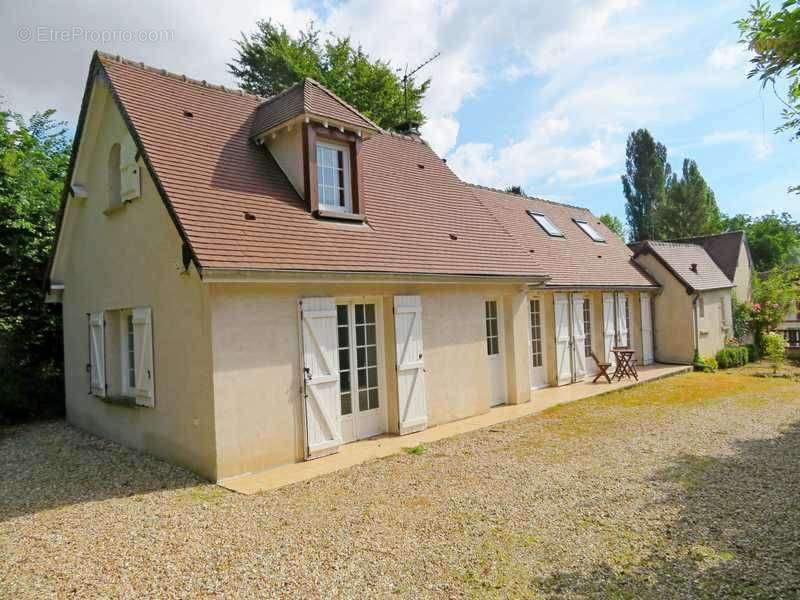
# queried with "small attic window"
point(546, 224)
point(589, 230)
point(333, 177)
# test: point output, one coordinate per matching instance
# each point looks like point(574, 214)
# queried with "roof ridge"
point(518, 196)
point(179, 76)
point(707, 235)
point(333, 95)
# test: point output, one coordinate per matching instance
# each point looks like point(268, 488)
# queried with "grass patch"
point(416, 450)
point(204, 493)
point(691, 471)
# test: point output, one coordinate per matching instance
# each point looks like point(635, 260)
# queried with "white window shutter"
point(97, 354)
point(578, 338)
point(609, 327)
point(647, 330)
point(562, 333)
point(622, 319)
point(320, 376)
point(143, 355)
point(410, 364)
point(130, 181)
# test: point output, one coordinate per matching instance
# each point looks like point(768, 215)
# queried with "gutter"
point(223, 275)
point(696, 323)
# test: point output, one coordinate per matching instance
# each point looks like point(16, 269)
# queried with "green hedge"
point(733, 356)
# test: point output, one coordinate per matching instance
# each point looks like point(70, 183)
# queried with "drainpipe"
point(696, 322)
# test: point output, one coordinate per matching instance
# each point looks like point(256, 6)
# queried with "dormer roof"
point(312, 99)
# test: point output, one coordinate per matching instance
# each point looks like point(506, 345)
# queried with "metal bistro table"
point(626, 364)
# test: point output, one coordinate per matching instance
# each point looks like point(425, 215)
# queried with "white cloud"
point(727, 57)
point(441, 133)
point(759, 144)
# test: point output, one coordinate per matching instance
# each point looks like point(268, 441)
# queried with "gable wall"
point(743, 276)
point(131, 258)
point(673, 330)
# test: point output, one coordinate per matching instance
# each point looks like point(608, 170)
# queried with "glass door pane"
point(366, 357)
point(343, 330)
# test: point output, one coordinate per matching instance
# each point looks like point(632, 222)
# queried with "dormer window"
point(546, 224)
point(334, 188)
point(589, 230)
point(331, 170)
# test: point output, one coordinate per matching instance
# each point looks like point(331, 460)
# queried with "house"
point(790, 327)
point(694, 307)
point(250, 282)
point(731, 252)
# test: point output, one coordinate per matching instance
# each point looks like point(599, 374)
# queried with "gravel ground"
point(687, 487)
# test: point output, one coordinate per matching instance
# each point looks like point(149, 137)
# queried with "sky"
point(534, 93)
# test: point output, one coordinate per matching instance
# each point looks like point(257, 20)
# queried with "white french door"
point(494, 351)
point(362, 404)
point(538, 368)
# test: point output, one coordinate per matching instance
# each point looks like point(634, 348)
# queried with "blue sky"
point(540, 94)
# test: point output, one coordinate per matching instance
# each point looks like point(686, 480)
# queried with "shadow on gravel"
point(738, 534)
point(48, 465)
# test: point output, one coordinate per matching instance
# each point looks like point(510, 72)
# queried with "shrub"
point(752, 353)
point(732, 356)
point(774, 349)
point(705, 364)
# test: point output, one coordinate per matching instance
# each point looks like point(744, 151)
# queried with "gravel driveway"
point(686, 487)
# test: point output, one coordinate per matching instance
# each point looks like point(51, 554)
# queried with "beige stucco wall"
point(712, 327)
point(257, 362)
point(742, 279)
point(673, 330)
point(131, 258)
point(287, 150)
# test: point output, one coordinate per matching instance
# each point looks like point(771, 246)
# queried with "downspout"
point(696, 325)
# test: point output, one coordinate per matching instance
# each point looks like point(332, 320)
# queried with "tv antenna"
point(408, 74)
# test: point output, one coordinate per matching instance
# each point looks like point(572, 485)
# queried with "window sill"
point(342, 216)
point(128, 401)
point(111, 210)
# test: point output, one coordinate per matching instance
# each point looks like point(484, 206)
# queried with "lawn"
point(685, 487)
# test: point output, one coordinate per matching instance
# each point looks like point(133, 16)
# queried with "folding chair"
point(602, 366)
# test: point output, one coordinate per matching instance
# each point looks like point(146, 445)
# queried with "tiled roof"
point(574, 259)
point(212, 173)
point(307, 97)
point(679, 259)
point(723, 248)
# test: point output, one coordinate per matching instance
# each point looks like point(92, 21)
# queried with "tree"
point(614, 224)
point(515, 189)
point(773, 295)
point(644, 184)
point(33, 162)
point(689, 208)
point(774, 240)
point(270, 60)
point(774, 39)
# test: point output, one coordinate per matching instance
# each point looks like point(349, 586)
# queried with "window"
point(492, 332)
point(546, 224)
point(130, 353)
point(590, 231)
point(536, 333)
point(121, 356)
point(114, 177)
point(587, 327)
point(333, 177)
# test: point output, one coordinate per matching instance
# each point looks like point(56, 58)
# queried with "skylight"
point(546, 224)
point(590, 231)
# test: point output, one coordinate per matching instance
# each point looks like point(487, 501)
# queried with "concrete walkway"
point(358, 452)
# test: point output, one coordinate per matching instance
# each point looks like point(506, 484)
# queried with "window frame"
point(548, 222)
point(590, 231)
point(313, 134)
point(347, 186)
point(492, 326)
